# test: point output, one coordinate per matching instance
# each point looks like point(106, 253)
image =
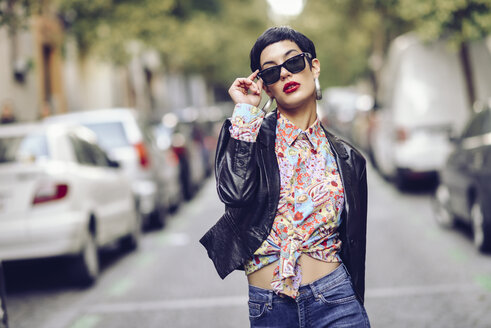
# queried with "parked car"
point(464, 192)
point(3, 301)
point(187, 140)
point(422, 97)
point(154, 173)
point(60, 195)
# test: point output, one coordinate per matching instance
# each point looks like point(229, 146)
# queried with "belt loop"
point(345, 269)
point(315, 292)
point(270, 299)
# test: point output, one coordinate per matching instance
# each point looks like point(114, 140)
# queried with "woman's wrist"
point(246, 121)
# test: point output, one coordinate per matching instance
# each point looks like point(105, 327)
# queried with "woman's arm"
point(235, 161)
point(236, 169)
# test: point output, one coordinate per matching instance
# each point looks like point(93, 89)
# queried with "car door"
point(19, 175)
point(107, 191)
point(461, 166)
point(3, 300)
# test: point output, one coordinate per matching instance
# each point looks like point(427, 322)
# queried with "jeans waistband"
point(330, 280)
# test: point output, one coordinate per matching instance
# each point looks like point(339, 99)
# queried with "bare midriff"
point(312, 270)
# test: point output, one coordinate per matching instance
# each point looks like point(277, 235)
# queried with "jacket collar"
point(267, 133)
point(336, 144)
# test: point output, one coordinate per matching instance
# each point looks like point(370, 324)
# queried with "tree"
point(458, 21)
point(208, 37)
point(351, 37)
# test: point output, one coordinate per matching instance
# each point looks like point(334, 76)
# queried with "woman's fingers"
point(253, 75)
point(247, 84)
point(255, 88)
point(244, 89)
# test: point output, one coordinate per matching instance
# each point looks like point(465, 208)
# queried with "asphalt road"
point(418, 275)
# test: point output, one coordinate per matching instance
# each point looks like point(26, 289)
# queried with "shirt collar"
point(290, 132)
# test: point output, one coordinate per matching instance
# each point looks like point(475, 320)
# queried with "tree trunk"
point(468, 75)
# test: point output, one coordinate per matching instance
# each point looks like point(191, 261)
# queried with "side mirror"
point(113, 163)
point(453, 137)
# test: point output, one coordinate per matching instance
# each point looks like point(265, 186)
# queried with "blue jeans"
point(327, 302)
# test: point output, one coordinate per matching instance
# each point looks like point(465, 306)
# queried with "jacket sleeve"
point(236, 169)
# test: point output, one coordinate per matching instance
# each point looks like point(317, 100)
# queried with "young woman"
point(295, 196)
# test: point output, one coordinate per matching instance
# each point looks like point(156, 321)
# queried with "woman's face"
point(291, 91)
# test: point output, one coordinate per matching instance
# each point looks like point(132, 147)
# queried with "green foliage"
point(214, 37)
point(14, 13)
point(457, 20)
point(210, 37)
point(348, 32)
point(344, 34)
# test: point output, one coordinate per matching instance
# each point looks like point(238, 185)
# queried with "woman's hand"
point(245, 90)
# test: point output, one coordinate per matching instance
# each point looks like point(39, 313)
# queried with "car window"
point(110, 135)
point(99, 154)
point(82, 154)
point(475, 127)
point(24, 148)
point(487, 122)
point(87, 153)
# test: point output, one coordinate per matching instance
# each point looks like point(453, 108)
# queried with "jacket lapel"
point(344, 168)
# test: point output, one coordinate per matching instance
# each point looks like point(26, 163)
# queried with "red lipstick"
point(291, 86)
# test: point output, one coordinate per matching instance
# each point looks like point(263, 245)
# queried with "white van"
point(421, 100)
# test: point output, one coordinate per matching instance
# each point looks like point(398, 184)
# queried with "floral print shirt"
point(311, 199)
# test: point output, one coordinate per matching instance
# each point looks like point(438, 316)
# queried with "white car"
point(422, 99)
point(154, 174)
point(60, 195)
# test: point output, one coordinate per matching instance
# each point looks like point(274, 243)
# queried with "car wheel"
point(400, 180)
point(86, 266)
point(157, 218)
point(441, 201)
point(188, 190)
point(372, 159)
point(132, 240)
point(482, 236)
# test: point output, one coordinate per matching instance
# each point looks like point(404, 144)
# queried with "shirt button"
point(241, 163)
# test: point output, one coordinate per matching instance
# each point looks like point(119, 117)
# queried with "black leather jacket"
point(248, 183)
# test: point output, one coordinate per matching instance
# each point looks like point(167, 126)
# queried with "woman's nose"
point(284, 73)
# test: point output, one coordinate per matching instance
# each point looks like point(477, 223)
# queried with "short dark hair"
point(277, 34)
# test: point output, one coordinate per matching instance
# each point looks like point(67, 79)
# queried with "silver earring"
point(267, 105)
point(318, 90)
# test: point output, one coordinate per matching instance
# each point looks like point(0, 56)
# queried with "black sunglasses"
point(296, 64)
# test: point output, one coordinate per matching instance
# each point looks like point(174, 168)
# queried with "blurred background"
point(110, 112)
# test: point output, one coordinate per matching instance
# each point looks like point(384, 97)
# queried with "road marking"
point(121, 287)
point(233, 301)
point(458, 255)
point(484, 280)
point(87, 321)
point(144, 259)
point(174, 239)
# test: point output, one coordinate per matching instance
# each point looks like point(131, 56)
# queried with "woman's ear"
point(316, 67)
